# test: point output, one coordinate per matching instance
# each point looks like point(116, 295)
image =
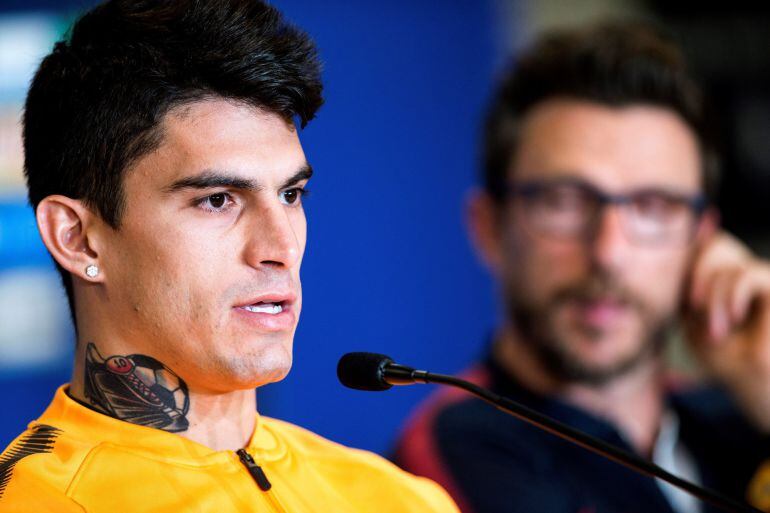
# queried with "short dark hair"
point(97, 101)
point(615, 64)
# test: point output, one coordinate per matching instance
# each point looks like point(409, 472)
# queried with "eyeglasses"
point(571, 209)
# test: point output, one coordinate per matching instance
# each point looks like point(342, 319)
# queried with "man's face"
point(596, 305)
point(203, 272)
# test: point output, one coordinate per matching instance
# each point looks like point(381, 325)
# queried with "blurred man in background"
point(163, 161)
point(596, 222)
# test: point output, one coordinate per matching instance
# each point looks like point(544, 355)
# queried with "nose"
point(609, 244)
point(273, 240)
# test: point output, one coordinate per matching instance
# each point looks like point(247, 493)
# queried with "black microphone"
point(377, 372)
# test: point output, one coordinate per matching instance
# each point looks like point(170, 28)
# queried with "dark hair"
point(97, 101)
point(610, 64)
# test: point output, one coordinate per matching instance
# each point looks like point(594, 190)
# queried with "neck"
point(142, 390)
point(632, 402)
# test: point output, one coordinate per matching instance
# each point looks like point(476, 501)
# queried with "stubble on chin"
point(551, 339)
point(233, 365)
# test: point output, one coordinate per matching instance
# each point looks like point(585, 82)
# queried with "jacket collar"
point(89, 426)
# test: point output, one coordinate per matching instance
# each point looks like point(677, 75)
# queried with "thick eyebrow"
point(303, 174)
point(212, 178)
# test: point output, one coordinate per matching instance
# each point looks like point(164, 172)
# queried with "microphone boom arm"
point(396, 374)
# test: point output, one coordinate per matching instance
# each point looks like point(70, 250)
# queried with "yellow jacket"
point(74, 459)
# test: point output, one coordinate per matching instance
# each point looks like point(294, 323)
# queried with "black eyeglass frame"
point(697, 203)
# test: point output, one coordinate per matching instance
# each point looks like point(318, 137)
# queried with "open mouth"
point(265, 307)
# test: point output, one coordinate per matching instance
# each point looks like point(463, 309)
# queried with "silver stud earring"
point(92, 270)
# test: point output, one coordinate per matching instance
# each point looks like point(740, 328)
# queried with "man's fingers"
point(731, 298)
point(742, 293)
point(718, 306)
point(718, 253)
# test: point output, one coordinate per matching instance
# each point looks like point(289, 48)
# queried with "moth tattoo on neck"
point(138, 389)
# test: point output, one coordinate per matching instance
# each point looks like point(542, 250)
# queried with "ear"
point(482, 219)
point(65, 225)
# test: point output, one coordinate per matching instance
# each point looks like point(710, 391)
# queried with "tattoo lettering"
point(137, 389)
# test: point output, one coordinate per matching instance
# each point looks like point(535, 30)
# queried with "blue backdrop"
point(388, 268)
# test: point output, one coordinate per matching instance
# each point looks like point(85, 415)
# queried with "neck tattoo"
point(138, 389)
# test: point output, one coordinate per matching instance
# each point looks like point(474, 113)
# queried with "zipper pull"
point(255, 470)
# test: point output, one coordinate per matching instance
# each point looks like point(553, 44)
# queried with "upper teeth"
point(268, 308)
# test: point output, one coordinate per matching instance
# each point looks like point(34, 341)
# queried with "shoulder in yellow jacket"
point(74, 459)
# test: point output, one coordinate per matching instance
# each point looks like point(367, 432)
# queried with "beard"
point(537, 327)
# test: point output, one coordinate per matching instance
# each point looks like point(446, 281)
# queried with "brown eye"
point(292, 196)
point(217, 200)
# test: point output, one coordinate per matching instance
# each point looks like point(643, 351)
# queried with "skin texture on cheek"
point(183, 299)
point(151, 282)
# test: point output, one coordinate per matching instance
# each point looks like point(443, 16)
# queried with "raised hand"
point(728, 320)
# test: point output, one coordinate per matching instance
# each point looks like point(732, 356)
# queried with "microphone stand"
point(396, 374)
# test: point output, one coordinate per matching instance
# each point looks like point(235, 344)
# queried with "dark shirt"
point(493, 463)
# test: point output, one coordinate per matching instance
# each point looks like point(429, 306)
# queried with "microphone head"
point(363, 371)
